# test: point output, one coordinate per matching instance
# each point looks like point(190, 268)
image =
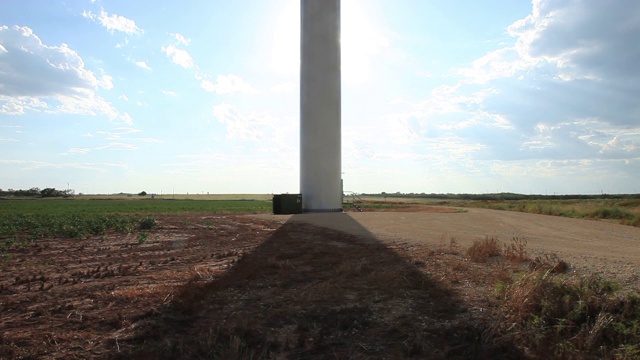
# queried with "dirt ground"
point(356, 285)
point(591, 246)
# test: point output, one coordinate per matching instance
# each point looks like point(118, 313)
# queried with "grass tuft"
point(516, 250)
point(482, 250)
point(549, 262)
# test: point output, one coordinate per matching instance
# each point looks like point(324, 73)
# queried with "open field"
point(417, 283)
point(621, 210)
point(139, 206)
point(259, 197)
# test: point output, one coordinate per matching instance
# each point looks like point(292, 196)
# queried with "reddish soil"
point(249, 287)
point(65, 298)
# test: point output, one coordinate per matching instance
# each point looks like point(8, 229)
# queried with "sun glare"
point(360, 41)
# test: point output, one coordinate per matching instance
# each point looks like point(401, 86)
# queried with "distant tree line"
point(37, 193)
point(502, 196)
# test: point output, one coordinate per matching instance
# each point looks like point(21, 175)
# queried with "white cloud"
point(78, 151)
point(87, 103)
point(169, 92)
point(121, 133)
point(119, 138)
point(566, 89)
point(114, 22)
point(117, 133)
point(123, 97)
point(252, 126)
point(228, 84)
point(143, 65)
point(36, 165)
point(181, 39)
point(52, 79)
point(32, 68)
point(149, 140)
point(178, 56)
point(18, 105)
point(117, 146)
point(122, 44)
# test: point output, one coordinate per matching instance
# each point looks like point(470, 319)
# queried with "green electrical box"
point(287, 204)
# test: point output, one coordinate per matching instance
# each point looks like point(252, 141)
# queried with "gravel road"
point(588, 245)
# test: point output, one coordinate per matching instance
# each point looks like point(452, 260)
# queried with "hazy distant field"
point(261, 197)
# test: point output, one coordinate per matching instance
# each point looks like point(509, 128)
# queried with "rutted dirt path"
point(589, 245)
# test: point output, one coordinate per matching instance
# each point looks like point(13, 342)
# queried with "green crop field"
point(103, 207)
point(25, 221)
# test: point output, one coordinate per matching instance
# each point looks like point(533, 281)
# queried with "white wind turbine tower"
point(320, 107)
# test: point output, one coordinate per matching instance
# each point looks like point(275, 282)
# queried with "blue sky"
point(437, 96)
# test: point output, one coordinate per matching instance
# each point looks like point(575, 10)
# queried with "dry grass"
point(516, 250)
point(482, 250)
point(549, 262)
point(578, 318)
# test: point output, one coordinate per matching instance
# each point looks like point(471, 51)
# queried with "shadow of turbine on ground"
point(309, 292)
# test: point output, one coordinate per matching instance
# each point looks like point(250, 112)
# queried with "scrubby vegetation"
point(551, 314)
point(569, 318)
point(36, 192)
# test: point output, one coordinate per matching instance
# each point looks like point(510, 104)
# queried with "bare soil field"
point(356, 285)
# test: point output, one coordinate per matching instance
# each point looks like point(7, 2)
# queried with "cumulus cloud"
point(566, 88)
point(32, 68)
point(228, 84)
point(18, 105)
point(573, 59)
point(143, 65)
point(113, 22)
point(53, 79)
point(181, 39)
point(178, 56)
